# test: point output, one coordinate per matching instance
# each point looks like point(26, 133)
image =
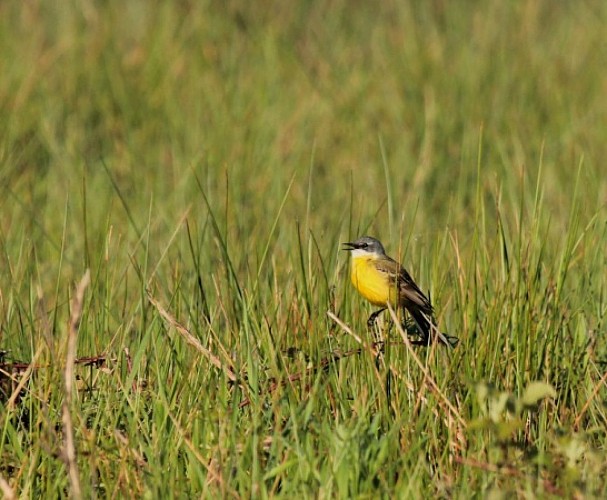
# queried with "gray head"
point(366, 244)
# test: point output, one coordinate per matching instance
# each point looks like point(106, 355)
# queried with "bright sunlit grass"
point(204, 162)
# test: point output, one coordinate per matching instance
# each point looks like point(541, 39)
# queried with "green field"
point(204, 161)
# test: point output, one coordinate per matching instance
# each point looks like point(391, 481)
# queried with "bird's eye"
point(365, 245)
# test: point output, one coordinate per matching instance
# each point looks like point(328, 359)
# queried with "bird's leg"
point(409, 326)
point(373, 318)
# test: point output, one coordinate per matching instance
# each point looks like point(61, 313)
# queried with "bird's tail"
point(428, 330)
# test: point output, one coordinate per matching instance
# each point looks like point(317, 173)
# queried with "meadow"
point(176, 181)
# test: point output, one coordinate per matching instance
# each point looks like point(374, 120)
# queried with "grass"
point(204, 161)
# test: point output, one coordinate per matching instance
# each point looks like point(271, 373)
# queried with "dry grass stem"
point(69, 447)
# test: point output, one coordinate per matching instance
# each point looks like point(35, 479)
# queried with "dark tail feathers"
point(428, 330)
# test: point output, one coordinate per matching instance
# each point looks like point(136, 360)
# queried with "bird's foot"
point(373, 318)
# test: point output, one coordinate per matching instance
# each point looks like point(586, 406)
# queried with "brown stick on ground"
point(193, 341)
point(6, 489)
point(69, 448)
point(595, 391)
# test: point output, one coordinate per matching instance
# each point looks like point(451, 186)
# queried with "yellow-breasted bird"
point(382, 280)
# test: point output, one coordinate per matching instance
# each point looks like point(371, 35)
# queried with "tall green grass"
point(204, 160)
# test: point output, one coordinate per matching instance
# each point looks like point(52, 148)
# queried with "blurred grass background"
point(216, 154)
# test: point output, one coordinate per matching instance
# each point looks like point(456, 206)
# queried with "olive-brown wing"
point(409, 293)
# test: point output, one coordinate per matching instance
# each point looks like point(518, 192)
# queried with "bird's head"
point(364, 246)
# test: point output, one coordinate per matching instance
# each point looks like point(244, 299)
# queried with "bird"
point(382, 281)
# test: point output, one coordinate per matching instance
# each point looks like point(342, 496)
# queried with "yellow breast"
point(372, 284)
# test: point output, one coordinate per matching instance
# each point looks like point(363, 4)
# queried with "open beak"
point(349, 247)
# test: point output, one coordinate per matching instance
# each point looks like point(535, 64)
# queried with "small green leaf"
point(537, 391)
point(480, 424)
point(497, 406)
point(496, 494)
point(505, 430)
point(482, 393)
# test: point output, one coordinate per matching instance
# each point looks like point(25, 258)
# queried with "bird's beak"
point(349, 247)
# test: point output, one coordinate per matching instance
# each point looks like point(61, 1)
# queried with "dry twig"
point(193, 341)
point(6, 489)
point(69, 447)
